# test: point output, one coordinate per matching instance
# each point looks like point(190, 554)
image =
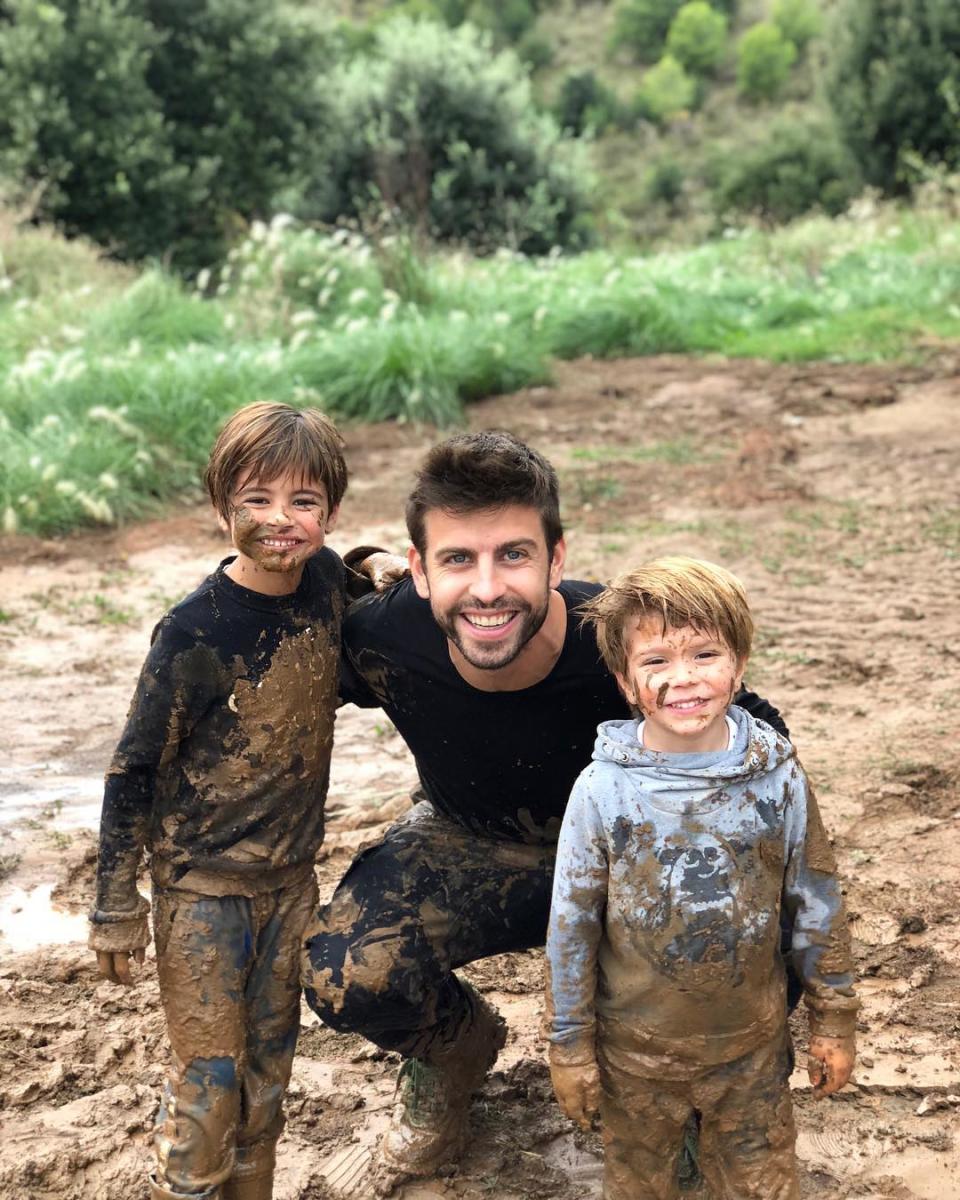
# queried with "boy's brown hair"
point(487, 470)
point(676, 591)
point(268, 439)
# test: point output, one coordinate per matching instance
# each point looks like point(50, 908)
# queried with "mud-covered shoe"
point(430, 1118)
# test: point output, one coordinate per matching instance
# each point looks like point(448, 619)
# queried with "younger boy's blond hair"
point(268, 439)
point(676, 591)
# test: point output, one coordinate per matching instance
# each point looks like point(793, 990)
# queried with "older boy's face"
point(276, 526)
point(682, 681)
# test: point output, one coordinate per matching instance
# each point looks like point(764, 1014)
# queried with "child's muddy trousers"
point(747, 1133)
point(228, 969)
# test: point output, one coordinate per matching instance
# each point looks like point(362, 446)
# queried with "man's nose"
point(487, 584)
point(278, 514)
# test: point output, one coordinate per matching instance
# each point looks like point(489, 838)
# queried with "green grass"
point(112, 390)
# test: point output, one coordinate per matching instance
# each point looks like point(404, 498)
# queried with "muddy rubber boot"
point(252, 1177)
point(159, 1192)
point(429, 1122)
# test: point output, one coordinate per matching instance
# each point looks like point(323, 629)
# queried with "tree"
point(436, 128)
point(640, 27)
point(698, 37)
point(764, 59)
point(893, 82)
point(667, 90)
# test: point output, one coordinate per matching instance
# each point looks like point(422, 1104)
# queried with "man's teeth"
point(279, 543)
point(491, 621)
point(685, 703)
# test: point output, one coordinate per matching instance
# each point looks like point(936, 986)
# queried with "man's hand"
point(578, 1091)
point(115, 964)
point(383, 569)
point(830, 1064)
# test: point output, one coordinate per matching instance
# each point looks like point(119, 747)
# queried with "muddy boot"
point(158, 1192)
point(429, 1122)
point(252, 1177)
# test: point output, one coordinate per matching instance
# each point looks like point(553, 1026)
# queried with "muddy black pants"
point(430, 897)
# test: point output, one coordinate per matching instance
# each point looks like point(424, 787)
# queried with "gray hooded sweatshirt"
point(671, 873)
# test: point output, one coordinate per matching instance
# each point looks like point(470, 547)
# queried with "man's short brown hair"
point(676, 591)
point(266, 440)
point(488, 470)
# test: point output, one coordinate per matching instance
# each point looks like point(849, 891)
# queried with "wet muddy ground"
point(832, 491)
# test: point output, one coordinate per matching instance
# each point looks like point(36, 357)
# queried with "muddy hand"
point(115, 964)
point(383, 569)
point(578, 1091)
point(830, 1064)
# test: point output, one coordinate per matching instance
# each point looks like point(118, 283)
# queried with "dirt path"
point(832, 491)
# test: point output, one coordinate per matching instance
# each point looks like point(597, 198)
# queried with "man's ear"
point(557, 562)
point(624, 686)
point(738, 678)
point(332, 517)
point(419, 574)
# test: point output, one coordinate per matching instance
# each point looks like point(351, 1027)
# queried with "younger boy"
point(690, 829)
point(221, 774)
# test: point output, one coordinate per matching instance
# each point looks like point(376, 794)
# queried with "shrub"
point(584, 101)
point(536, 50)
point(893, 82)
point(640, 27)
point(797, 168)
point(156, 127)
point(698, 37)
point(764, 59)
point(798, 20)
point(664, 183)
point(667, 90)
point(81, 128)
point(440, 131)
point(238, 87)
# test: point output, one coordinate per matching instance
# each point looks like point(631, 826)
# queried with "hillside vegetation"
point(114, 382)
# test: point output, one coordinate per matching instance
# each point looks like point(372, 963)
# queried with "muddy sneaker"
point(429, 1122)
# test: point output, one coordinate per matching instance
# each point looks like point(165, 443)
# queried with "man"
point(481, 662)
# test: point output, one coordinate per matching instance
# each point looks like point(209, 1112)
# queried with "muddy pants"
point(228, 969)
point(430, 897)
point(747, 1133)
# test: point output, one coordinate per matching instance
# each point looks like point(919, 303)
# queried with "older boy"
point(681, 841)
point(221, 773)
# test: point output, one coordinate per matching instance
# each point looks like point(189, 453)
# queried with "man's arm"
point(756, 706)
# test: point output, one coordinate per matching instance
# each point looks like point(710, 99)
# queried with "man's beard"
point(497, 654)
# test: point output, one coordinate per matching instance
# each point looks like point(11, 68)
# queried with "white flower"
point(357, 296)
point(71, 332)
point(10, 521)
point(390, 295)
point(66, 487)
point(108, 481)
point(134, 348)
point(143, 456)
point(100, 510)
point(323, 299)
point(611, 277)
point(388, 312)
point(50, 471)
point(355, 325)
point(457, 314)
point(501, 318)
point(36, 462)
point(229, 322)
point(282, 221)
point(301, 336)
point(306, 316)
point(203, 279)
point(258, 231)
point(333, 275)
point(539, 315)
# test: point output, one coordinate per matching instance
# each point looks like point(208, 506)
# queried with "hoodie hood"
point(693, 782)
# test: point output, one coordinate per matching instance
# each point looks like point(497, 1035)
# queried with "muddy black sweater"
point(501, 764)
point(222, 768)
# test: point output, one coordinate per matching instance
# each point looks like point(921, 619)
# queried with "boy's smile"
point(276, 525)
point(682, 681)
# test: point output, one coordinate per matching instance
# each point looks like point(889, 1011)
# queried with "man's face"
point(488, 577)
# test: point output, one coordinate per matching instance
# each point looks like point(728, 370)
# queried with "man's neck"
point(534, 662)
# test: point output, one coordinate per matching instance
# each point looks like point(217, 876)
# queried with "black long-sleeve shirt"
point(501, 764)
point(222, 768)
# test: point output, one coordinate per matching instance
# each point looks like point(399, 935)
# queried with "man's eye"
point(709, 654)
point(456, 560)
point(514, 555)
point(653, 662)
